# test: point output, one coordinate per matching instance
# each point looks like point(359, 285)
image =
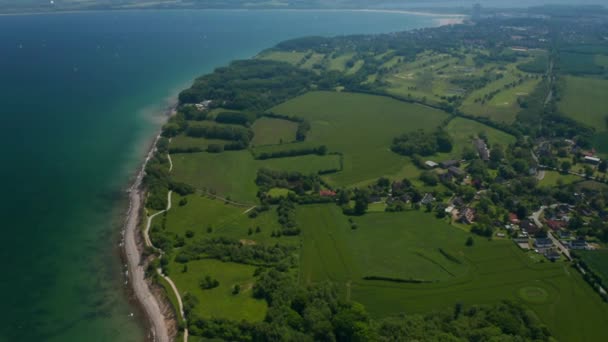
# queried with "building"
point(449, 163)
point(428, 198)
point(543, 243)
point(327, 193)
point(482, 149)
point(578, 244)
point(430, 164)
point(592, 160)
point(467, 216)
point(555, 225)
point(528, 226)
point(513, 218)
point(456, 172)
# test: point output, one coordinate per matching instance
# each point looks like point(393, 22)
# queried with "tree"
point(236, 289)
point(565, 166)
point(588, 171)
point(602, 166)
point(429, 178)
point(469, 241)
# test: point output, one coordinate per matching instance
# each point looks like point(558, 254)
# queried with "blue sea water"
point(81, 96)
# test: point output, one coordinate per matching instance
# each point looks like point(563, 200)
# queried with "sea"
point(81, 97)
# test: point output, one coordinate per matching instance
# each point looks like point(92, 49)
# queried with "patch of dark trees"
point(286, 212)
point(398, 280)
point(422, 143)
point(320, 151)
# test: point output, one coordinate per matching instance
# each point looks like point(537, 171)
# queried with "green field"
point(463, 131)
point(269, 131)
point(362, 127)
point(291, 57)
point(338, 63)
point(233, 173)
point(406, 245)
point(597, 261)
point(553, 178)
point(220, 302)
point(185, 142)
point(584, 99)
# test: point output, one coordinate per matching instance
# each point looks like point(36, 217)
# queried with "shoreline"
point(364, 10)
point(145, 297)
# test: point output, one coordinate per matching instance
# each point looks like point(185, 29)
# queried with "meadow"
point(463, 131)
point(554, 178)
point(184, 142)
point(361, 127)
point(232, 174)
point(584, 99)
point(597, 261)
point(220, 302)
point(406, 245)
point(268, 131)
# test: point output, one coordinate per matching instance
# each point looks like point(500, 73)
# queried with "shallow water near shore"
point(81, 96)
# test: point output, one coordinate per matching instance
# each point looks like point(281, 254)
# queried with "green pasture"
point(463, 131)
point(358, 65)
point(184, 142)
point(315, 58)
point(225, 220)
point(291, 57)
point(233, 173)
point(338, 62)
point(598, 262)
point(406, 245)
point(554, 178)
point(269, 131)
point(584, 99)
point(362, 127)
point(220, 302)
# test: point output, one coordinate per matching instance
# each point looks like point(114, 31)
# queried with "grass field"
point(406, 245)
point(184, 142)
point(584, 99)
point(553, 178)
point(597, 261)
point(362, 127)
point(225, 220)
point(463, 131)
point(338, 63)
point(291, 57)
point(220, 302)
point(269, 131)
point(233, 173)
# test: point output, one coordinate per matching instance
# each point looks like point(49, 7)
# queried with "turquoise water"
point(81, 95)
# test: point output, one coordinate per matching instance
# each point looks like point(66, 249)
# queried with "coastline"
point(395, 11)
point(147, 298)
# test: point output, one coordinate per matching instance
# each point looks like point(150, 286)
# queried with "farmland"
point(584, 100)
point(268, 131)
point(463, 130)
point(597, 261)
point(406, 246)
point(233, 173)
point(341, 120)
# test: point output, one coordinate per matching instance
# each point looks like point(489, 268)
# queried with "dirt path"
point(142, 291)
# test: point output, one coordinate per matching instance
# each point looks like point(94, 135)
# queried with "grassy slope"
point(597, 261)
point(552, 178)
point(362, 127)
point(584, 99)
point(184, 141)
point(493, 270)
point(233, 173)
point(220, 302)
point(273, 131)
point(461, 131)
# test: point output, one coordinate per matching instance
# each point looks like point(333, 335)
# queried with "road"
point(560, 246)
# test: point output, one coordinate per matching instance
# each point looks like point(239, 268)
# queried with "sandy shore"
point(149, 303)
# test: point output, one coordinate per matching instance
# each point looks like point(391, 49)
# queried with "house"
point(528, 226)
point(578, 244)
point(513, 218)
point(448, 163)
point(467, 216)
point(430, 164)
point(428, 198)
point(555, 225)
point(482, 149)
point(327, 193)
point(543, 243)
point(449, 209)
point(563, 234)
point(456, 172)
point(592, 160)
point(446, 177)
point(552, 254)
